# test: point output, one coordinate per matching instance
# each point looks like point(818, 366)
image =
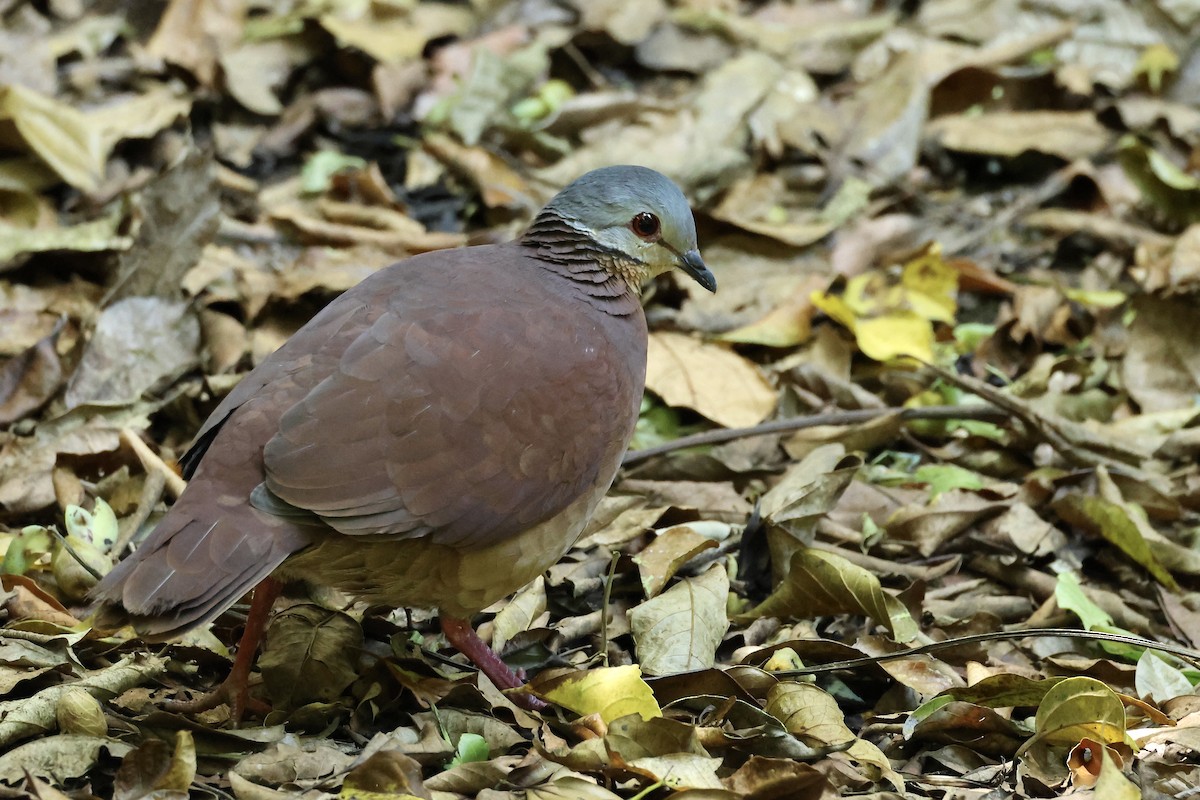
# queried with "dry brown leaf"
point(31, 378)
point(670, 550)
point(500, 186)
point(709, 379)
point(1065, 134)
point(139, 343)
point(194, 33)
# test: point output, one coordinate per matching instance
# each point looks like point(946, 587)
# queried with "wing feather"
point(450, 416)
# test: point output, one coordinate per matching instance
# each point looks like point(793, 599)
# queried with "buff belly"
point(459, 582)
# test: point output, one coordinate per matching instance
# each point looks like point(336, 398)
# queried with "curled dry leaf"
point(31, 378)
point(311, 654)
point(670, 550)
point(823, 583)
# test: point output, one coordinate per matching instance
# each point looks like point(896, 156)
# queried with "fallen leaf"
point(1065, 134)
point(62, 136)
point(708, 378)
point(611, 692)
point(670, 550)
point(680, 629)
point(30, 379)
point(139, 343)
point(311, 654)
point(823, 583)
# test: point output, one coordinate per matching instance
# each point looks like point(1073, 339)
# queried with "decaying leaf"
point(310, 655)
point(823, 583)
point(679, 630)
point(139, 343)
point(870, 184)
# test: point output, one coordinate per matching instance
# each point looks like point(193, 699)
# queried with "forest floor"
point(947, 388)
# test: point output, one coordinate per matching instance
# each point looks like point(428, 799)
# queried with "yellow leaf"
point(892, 318)
point(862, 293)
point(1156, 62)
point(611, 692)
point(835, 308)
point(1099, 298)
point(931, 286)
point(901, 334)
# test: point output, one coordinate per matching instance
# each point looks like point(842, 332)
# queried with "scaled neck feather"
point(609, 278)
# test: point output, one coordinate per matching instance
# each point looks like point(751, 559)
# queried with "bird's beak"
point(691, 263)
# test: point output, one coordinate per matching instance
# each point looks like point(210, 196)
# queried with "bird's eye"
point(645, 225)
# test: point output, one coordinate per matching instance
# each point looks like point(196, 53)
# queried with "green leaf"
point(33, 542)
point(944, 477)
point(1070, 597)
point(471, 748)
point(320, 168)
point(1110, 521)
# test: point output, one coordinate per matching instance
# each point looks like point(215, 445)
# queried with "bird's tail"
point(192, 568)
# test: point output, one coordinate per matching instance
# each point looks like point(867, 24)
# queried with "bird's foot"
point(460, 634)
point(228, 693)
point(234, 690)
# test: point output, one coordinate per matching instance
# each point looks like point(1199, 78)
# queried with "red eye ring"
point(645, 225)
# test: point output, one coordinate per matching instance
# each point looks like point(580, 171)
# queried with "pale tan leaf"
point(670, 550)
point(708, 378)
point(680, 630)
point(60, 135)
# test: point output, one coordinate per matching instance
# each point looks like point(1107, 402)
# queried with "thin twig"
point(151, 462)
point(977, 412)
point(612, 574)
point(1185, 653)
point(66, 543)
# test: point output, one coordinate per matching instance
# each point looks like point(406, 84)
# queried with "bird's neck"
point(601, 272)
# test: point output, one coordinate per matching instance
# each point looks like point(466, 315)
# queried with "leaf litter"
point(963, 205)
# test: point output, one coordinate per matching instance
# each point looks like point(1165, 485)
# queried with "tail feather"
point(191, 569)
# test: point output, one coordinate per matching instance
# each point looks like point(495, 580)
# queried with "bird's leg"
point(460, 634)
point(234, 689)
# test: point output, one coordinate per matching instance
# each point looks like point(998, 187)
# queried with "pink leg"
point(460, 634)
point(234, 689)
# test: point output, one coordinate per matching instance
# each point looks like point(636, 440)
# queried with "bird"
point(437, 436)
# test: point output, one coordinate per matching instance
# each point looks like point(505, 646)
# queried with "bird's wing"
point(298, 363)
point(473, 408)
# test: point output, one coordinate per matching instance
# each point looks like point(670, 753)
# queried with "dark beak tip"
point(695, 267)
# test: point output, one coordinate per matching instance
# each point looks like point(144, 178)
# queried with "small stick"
point(151, 462)
point(612, 574)
point(977, 411)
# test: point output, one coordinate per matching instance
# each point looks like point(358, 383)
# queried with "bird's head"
point(633, 220)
